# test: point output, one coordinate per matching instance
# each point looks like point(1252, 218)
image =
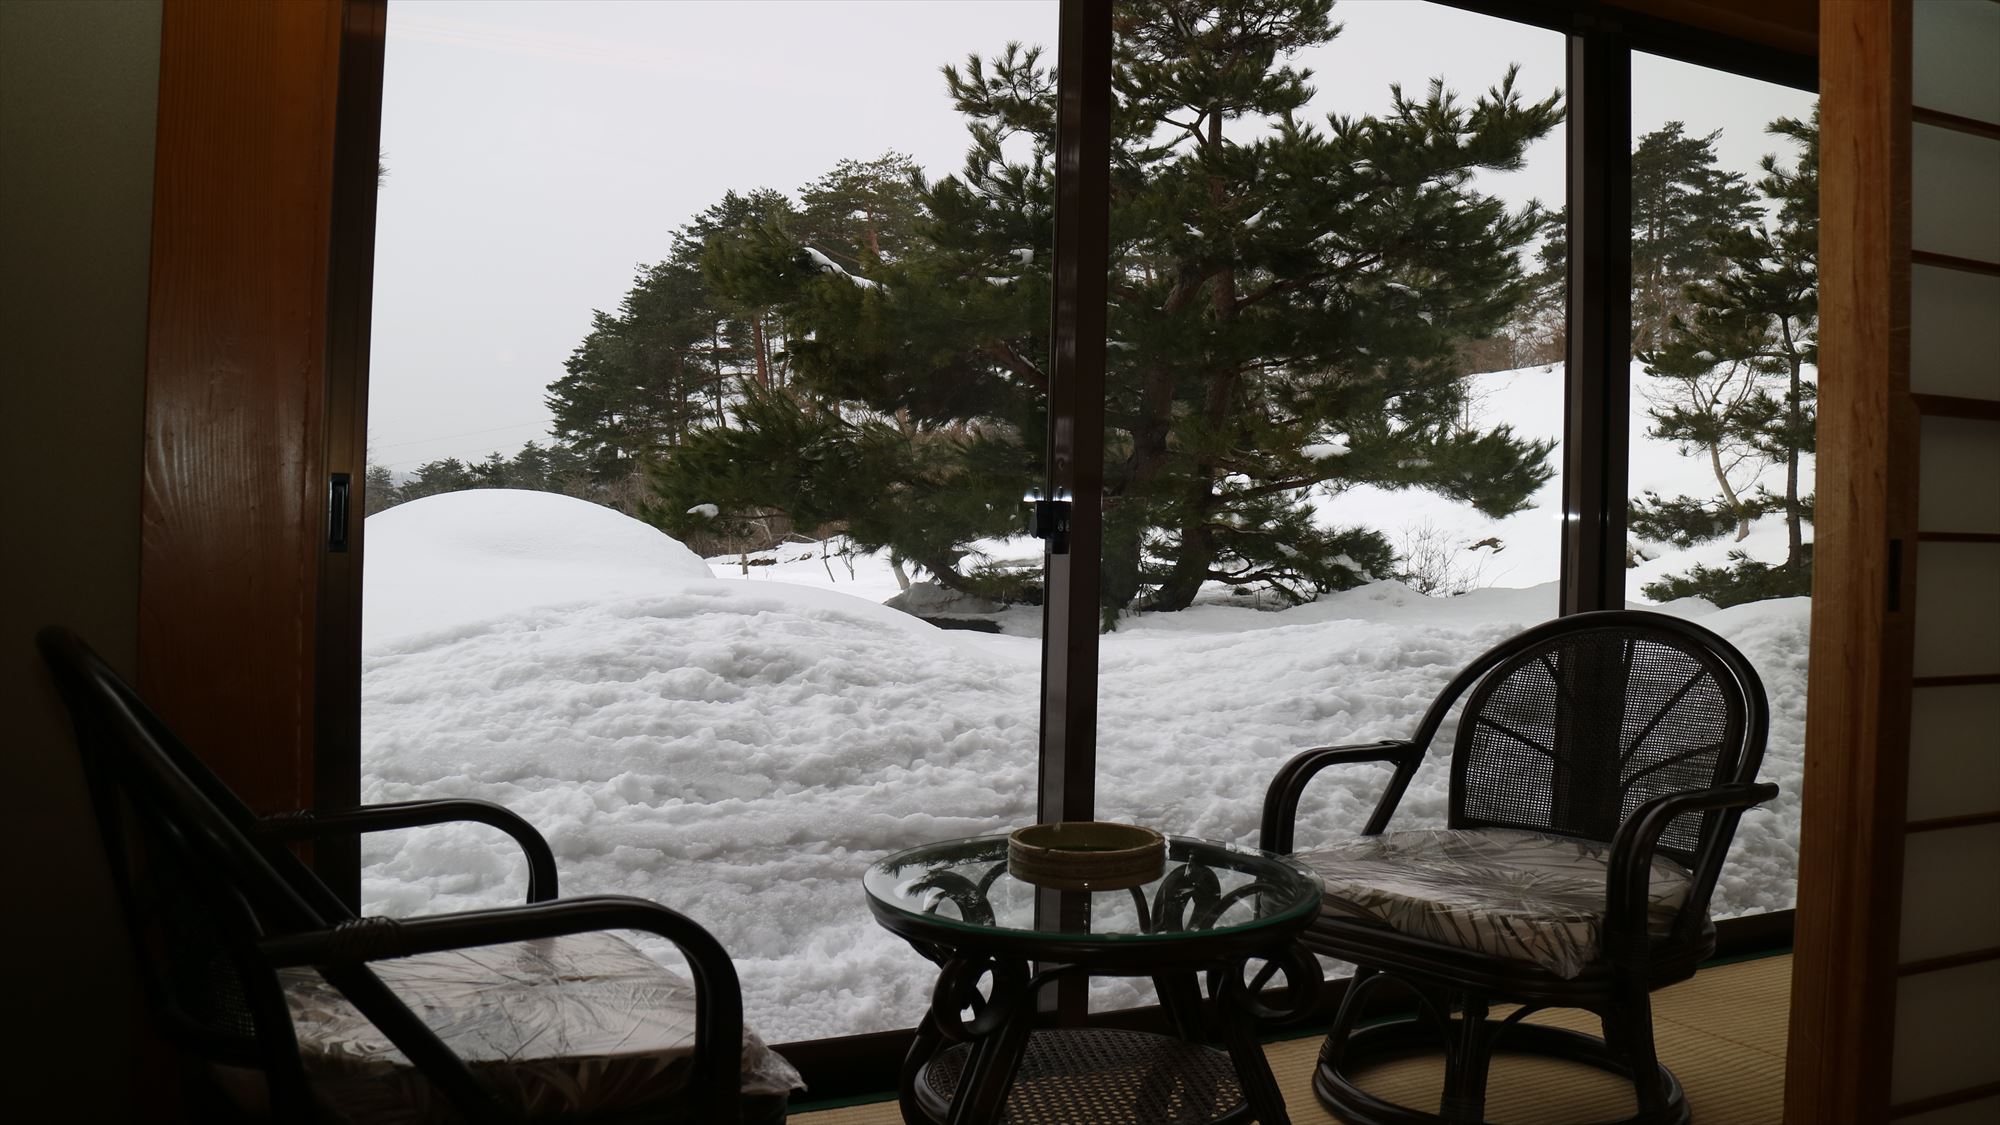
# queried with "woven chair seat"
point(1525, 896)
point(565, 1025)
point(1101, 1076)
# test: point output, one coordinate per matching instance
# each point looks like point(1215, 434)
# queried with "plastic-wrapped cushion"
point(1521, 895)
point(561, 1025)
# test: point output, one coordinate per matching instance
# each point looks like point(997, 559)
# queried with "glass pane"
point(632, 527)
point(1195, 886)
point(1335, 396)
point(1724, 323)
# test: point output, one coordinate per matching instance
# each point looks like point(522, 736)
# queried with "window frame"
point(1601, 39)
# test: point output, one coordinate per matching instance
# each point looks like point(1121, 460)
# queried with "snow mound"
point(741, 750)
point(737, 750)
point(459, 558)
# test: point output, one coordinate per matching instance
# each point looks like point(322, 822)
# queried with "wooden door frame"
point(256, 393)
point(257, 339)
point(235, 457)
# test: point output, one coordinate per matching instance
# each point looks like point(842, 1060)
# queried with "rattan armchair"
point(288, 1007)
point(1600, 766)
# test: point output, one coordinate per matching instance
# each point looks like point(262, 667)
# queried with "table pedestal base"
point(1097, 1076)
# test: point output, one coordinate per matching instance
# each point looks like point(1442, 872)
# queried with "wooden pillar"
point(235, 479)
point(1857, 729)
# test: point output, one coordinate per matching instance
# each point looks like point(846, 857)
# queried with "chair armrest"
point(308, 824)
point(715, 1077)
point(1281, 801)
point(1631, 861)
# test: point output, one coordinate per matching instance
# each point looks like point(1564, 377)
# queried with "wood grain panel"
point(1857, 729)
point(1984, 266)
point(1948, 961)
point(235, 373)
point(1983, 1109)
point(1921, 116)
point(1957, 406)
point(1789, 25)
point(1947, 823)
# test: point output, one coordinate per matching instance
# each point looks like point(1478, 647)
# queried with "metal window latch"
point(337, 493)
point(1049, 519)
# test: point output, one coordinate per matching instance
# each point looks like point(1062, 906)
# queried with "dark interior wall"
point(78, 100)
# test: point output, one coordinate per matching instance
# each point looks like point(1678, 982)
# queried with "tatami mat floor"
point(1722, 1034)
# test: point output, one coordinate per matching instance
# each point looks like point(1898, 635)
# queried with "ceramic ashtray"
point(1086, 855)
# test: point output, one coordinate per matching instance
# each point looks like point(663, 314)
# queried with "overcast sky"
point(539, 153)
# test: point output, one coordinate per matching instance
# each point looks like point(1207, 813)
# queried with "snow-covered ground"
point(741, 747)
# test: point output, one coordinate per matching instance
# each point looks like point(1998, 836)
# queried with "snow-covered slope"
point(1527, 546)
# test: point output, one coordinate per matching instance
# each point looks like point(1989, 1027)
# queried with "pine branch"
point(1014, 361)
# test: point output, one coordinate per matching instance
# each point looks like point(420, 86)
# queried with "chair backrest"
point(196, 890)
point(1570, 726)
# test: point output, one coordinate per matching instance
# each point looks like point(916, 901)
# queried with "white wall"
point(78, 95)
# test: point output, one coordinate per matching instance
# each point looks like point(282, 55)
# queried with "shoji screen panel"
point(1954, 181)
point(1952, 45)
point(1954, 771)
point(1954, 337)
point(1983, 1111)
point(1946, 1061)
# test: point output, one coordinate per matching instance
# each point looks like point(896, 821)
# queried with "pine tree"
point(1735, 365)
point(1778, 276)
point(862, 212)
point(749, 321)
point(638, 381)
point(1684, 209)
point(448, 474)
point(674, 354)
point(1287, 302)
point(378, 490)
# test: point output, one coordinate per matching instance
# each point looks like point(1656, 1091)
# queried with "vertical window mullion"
point(1075, 459)
point(350, 299)
point(1596, 423)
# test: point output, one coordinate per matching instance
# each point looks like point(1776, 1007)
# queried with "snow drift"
point(742, 749)
point(460, 557)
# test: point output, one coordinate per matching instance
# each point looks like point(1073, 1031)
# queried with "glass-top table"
point(1207, 888)
point(1217, 910)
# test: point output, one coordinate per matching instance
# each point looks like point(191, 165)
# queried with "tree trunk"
point(1123, 536)
point(676, 418)
point(1197, 555)
point(1794, 511)
point(715, 356)
point(757, 344)
point(1729, 494)
point(1198, 546)
point(1118, 562)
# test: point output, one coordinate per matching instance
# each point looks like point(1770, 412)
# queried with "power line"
point(461, 435)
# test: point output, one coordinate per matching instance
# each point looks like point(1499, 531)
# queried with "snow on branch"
point(828, 265)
